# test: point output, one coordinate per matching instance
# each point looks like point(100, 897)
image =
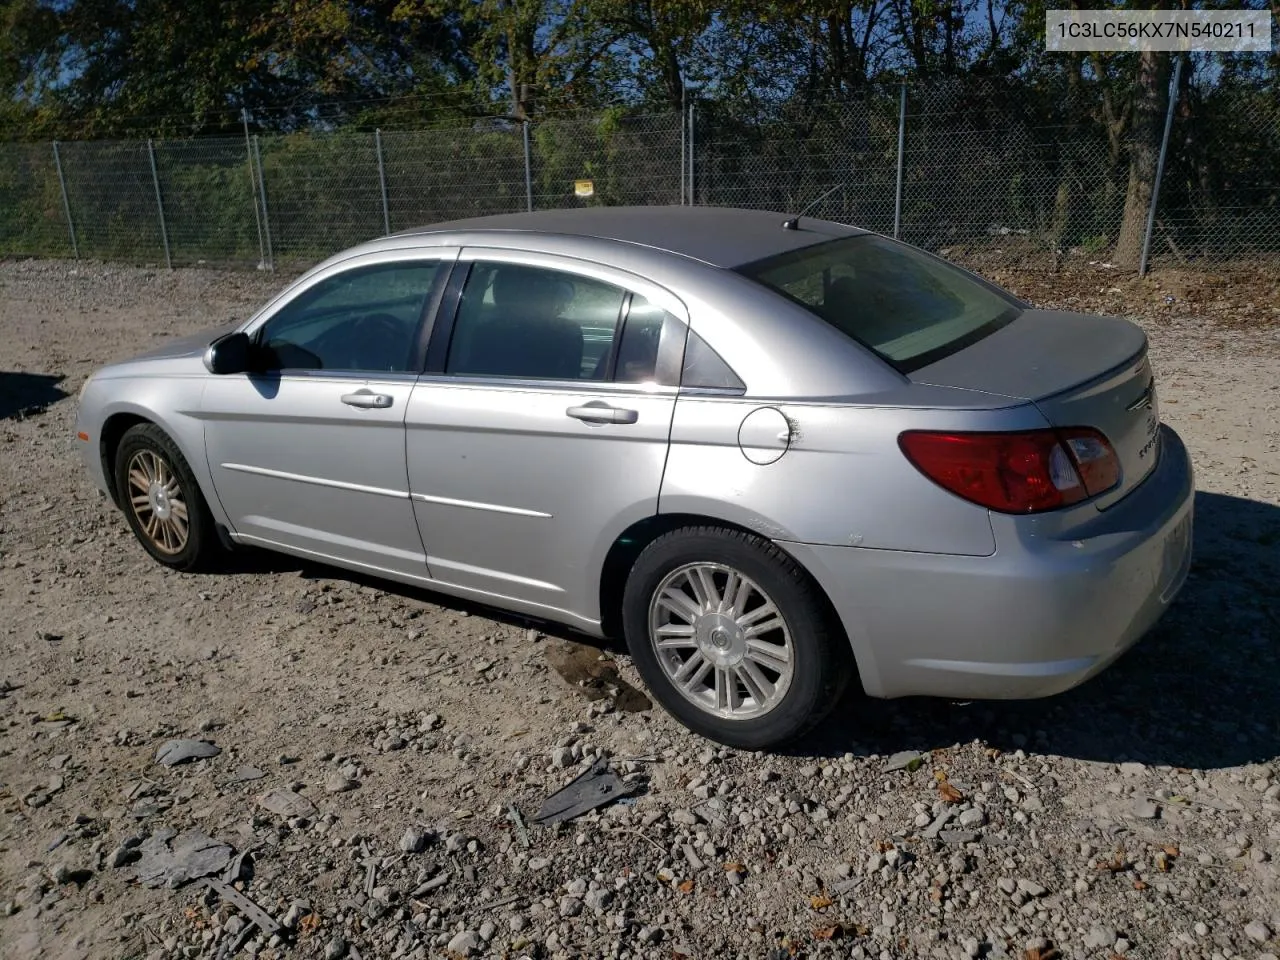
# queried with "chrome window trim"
point(524, 385)
point(408, 377)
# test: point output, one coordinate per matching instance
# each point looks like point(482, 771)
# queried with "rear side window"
point(704, 369)
point(910, 308)
point(531, 322)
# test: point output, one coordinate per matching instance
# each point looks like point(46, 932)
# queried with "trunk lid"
point(1079, 370)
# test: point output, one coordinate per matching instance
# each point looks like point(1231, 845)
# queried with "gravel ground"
point(374, 739)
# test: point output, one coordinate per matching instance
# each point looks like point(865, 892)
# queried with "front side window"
point(907, 306)
point(365, 319)
point(534, 323)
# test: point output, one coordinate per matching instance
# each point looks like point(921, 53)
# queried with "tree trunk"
point(1064, 201)
point(1151, 102)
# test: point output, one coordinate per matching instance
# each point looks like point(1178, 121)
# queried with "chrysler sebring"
point(771, 454)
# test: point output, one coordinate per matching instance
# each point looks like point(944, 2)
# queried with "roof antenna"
point(794, 222)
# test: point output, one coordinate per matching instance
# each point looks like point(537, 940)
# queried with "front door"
point(540, 430)
point(307, 453)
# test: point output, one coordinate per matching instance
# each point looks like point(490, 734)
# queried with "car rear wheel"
point(732, 637)
point(162, 500)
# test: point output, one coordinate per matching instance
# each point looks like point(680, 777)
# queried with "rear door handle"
point(598, 412)
point(364, 398)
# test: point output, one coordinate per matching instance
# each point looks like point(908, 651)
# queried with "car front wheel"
point(732, 637)
point(162, 500)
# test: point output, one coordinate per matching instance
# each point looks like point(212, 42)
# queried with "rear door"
point(540, 430)
point(307, 453)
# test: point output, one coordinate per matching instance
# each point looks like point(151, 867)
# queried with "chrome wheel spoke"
point(678, 602)
point(727, 696)
point(704, 589)
point(737, 591)
point(138, 479)
point(675, 636)
point(693, 671)
point(762, 620)
point(757, 685)
point(178, 511)
point(771, 656)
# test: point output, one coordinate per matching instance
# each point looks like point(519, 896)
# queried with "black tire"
point(145, 445)
point(821, 661)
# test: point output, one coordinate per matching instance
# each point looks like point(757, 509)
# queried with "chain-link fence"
point(978, 172)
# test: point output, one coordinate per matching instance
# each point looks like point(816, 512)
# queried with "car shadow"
point(1197, 692)
point(24, 394)
point(254, 560)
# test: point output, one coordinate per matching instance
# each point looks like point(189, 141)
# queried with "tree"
point(1149, 105)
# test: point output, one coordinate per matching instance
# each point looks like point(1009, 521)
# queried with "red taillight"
point(1024, 472)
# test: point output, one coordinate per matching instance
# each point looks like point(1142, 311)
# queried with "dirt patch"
point(395, 730)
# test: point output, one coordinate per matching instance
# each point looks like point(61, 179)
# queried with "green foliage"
point(793, 96)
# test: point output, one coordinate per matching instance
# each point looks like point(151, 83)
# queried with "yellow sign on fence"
point(584, 188)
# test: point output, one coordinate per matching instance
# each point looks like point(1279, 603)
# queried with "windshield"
point(907, 306)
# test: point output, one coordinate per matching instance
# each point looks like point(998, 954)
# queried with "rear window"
point(907, 306)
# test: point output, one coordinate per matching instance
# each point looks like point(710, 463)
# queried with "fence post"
point(266, 213)
point(155, 178)
point(692, 154)
point(902, 138)
point(253, 187)
point(1164, 147)
point(382, 182)
point(682, 143)
point(66, 204)
point(528, 168)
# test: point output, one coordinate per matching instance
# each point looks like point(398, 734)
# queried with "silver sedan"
point(773, 455)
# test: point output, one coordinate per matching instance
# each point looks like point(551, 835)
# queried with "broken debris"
point(255, 913)
point(286, 803)
point(594, 788)
point(173, 752)
point(170, 859)
point(905, 760)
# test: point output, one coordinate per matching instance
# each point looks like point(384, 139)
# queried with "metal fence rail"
point(951, 168)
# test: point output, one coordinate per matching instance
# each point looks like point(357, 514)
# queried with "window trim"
point(671, 343)
point(446, 257)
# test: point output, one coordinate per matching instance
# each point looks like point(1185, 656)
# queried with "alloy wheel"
point(721, 640)
point(157, 501)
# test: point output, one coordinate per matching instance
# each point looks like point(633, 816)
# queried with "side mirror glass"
point(231, 354)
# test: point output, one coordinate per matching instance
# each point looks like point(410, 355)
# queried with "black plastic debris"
point(171, 859)
point(177, 751)
point(595, 787)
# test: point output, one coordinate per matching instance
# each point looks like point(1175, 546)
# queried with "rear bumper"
point(1049, 609)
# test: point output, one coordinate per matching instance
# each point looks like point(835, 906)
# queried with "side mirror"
point(230, 354)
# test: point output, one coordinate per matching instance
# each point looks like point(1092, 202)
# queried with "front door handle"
point(598, 412)
point(364, 398)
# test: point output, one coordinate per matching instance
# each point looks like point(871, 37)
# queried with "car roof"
point(720, 236)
